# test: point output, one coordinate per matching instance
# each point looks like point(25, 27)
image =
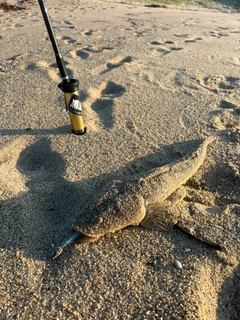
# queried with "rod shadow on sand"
point(64, 130)
point(32, 220)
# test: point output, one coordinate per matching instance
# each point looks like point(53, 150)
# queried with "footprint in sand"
point(87, 33)
point(99, 105)
point(227, 119)
point(181, 35)
point(11, 181)
point(235, 31)
point(218, 34)
point(192, 40)
point(162, 48)
point(157, 43)
point(51, 69)
point(81, 54)
point(68, 40)
point(188, 23)
point(86, 51)
point(220, 84)
point(18, 25)
point(116, 63)
point(96, 49)
point(69, 24)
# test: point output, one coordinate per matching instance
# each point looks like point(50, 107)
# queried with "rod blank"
point(52, 37)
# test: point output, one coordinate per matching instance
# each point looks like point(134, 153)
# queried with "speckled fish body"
point(124, 203)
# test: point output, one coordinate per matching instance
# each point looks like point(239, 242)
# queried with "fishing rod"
point(70, 87)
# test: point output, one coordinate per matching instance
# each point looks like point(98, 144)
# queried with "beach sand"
point(153, 83)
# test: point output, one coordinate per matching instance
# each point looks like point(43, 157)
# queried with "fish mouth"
point(57, 253)
point(69, 240)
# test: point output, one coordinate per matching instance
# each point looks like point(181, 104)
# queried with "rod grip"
point(73, 105)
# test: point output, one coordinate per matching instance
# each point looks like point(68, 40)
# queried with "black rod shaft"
point(52, 37)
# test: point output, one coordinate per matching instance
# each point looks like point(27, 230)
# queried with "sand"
point(153, 82)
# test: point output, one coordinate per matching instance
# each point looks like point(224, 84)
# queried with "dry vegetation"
point(9, 6)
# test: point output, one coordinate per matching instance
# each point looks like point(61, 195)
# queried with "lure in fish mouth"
point(131, 201)
point(70, 239)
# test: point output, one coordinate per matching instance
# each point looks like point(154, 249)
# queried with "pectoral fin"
point(163, 216)
point(160, 217)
